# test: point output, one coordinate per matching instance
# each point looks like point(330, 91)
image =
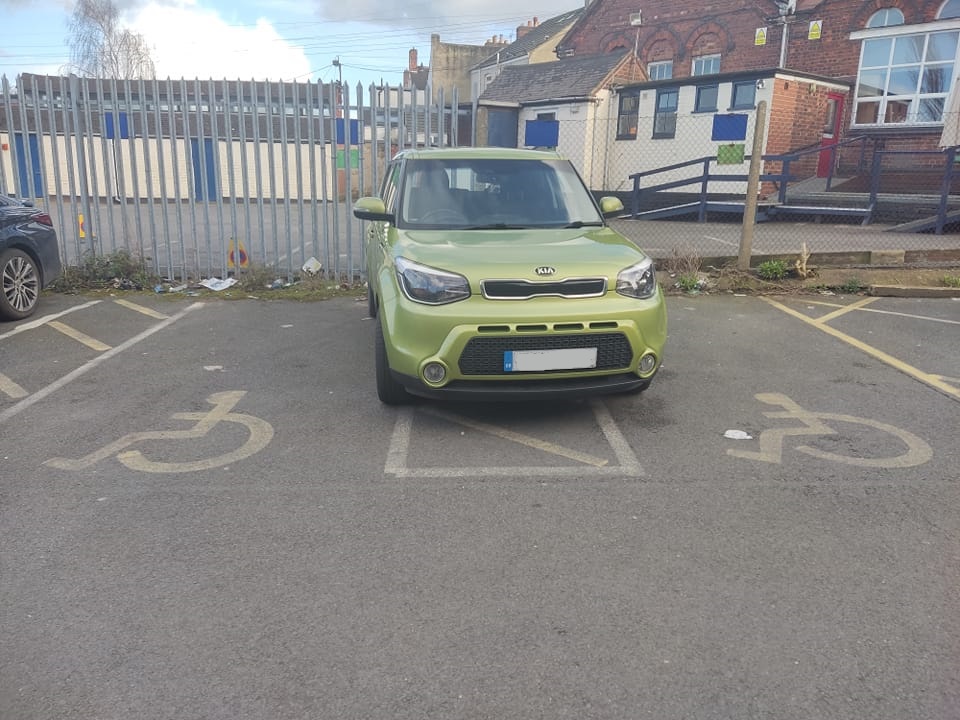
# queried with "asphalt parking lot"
point(206, 513)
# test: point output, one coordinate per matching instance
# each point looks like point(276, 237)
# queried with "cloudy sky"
point(273, 39)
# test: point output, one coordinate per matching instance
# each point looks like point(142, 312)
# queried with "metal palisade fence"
point(202, 178)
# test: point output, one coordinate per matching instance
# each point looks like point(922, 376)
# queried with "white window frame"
point(653, 69)
point(896, 31)
point(944, 7)
point(885, 12)
point(702, 59)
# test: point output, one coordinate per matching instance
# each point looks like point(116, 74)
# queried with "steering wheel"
point(439, 215)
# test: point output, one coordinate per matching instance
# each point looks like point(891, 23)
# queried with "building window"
point(887, 17)
point(660, 70)
point(665, 117)
point(706, 65)
point(905, 79)
point(706, 99)
point(950, 9)
point(627, 116)
point(743, 95)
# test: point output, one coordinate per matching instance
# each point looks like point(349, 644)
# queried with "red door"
point(831, 132)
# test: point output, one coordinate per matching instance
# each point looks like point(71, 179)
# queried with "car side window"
point(391, 182)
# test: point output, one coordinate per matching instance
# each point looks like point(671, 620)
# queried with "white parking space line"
point(141, 309)
point(36, 397)
point(10, 388)
point(45, 319)
point(720, 240)
point(80, 337)
point(397, 453)
point(520, 438)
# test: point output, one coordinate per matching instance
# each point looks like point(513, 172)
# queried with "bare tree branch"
point(100, 47)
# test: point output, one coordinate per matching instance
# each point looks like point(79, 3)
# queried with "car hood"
point(517, 254)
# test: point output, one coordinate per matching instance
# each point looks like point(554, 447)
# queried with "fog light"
point(434, 373)
point(647, 364)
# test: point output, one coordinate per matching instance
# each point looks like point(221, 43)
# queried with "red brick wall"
point(682, 30)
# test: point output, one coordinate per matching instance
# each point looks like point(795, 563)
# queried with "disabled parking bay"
point(216, 518)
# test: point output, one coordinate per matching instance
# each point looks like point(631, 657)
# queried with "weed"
point(951, 281)
point(255, 278)
point(119, 269)
point(851, 286)
point(688, 283)
point(683, 262)
point(772, 269)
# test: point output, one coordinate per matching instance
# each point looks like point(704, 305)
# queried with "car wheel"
point(389, 390)
point(19, 284)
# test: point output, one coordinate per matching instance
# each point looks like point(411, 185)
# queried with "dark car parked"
point(29, 257)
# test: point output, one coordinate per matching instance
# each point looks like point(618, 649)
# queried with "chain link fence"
point(860, 200)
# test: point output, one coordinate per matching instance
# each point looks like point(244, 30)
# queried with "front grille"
point(524, 289)
point(484, 355)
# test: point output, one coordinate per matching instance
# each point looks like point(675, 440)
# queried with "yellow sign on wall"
point(816, 28)
point(760, 36)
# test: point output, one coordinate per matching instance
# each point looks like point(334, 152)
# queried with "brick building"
point(881, 70)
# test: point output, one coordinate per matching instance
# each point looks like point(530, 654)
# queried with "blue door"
point(36, 189)
point(205, 171)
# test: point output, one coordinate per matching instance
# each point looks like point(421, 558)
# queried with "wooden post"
point(753, 185)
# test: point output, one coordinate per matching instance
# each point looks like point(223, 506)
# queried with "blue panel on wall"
point(729, 128)
point(354, 132)
point(542, 133)
point(35, 169)
point(109, 129)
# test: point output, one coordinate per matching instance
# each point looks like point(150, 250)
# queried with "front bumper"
point(417, 335)
point(520, 390)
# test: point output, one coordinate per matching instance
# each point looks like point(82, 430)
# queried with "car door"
point(376, 239)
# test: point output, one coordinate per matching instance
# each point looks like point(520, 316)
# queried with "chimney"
point(413, 59)
point(524, 29)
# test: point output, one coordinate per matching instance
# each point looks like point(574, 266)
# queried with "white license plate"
point(540, 360)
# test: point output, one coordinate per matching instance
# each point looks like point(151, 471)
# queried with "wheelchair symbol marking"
point(261, 433)
point(771, 441)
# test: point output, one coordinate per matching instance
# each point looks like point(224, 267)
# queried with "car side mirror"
point(371, 208)
point(610, 205)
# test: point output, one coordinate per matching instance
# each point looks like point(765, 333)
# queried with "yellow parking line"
point(933, 381)
point(845, 309)
point(80, 337)
point(9, 387)
point(141, 309)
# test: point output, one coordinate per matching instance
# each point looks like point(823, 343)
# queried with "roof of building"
point(532, 39)
point(567, 78)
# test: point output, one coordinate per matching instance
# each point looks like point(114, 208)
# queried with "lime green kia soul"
point(492, 275)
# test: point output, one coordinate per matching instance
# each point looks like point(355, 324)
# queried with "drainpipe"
point(784, 36)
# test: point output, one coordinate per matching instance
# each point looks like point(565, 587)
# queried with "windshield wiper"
point(498, 226)
point(581, 223)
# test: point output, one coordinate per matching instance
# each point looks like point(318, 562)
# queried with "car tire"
point(389, 390)
point(20, 284)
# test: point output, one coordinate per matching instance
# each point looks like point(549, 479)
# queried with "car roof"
point(482, 153)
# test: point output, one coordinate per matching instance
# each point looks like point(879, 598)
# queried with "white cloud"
point(188, 41)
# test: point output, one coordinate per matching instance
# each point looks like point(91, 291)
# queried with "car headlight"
point(430, 286)
point(638, 281)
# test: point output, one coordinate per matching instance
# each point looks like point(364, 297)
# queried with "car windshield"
point(473, 193)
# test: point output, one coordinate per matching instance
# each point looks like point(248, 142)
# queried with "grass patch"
point(772, 270)
point(952, 281)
